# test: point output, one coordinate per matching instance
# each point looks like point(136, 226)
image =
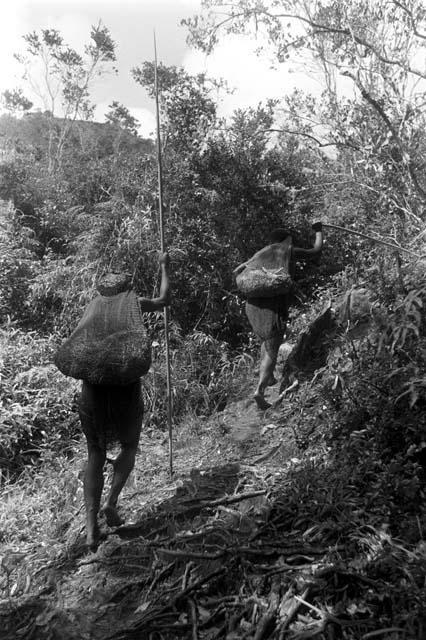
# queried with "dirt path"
point(250, 539)
point(188, 525)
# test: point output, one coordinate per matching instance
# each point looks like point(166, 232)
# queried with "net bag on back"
point(110, 345)
point(267, 273)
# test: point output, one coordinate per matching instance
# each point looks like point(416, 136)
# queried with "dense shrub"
point(206, 375)
point(36, 402)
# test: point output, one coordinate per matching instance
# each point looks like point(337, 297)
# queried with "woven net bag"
point(267, 273)
point(110, 345)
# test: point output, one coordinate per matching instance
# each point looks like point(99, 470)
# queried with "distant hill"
point(33, 132)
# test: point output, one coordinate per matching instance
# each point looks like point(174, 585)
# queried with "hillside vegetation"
point(309, 519)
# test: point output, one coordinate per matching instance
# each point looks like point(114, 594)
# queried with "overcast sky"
point(132, 23)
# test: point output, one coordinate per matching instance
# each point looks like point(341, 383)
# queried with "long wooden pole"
point(162, 244)
point(395, 247)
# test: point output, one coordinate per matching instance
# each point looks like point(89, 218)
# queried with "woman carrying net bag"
point(110, 351)
point(266, 281)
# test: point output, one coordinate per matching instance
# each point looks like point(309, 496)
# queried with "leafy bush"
point(35, 401)
point(18, 265)
point(205, 376)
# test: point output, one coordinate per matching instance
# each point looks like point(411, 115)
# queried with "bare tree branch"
point(407, 160)
point(310, 136)
point(325, 28)
point(408, 11)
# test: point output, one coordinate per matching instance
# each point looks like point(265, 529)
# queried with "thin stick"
point(395, 247)
point(166, 309)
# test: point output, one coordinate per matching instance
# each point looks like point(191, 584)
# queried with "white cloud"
point(145, 117)
point(12, 22)
point(235, 60)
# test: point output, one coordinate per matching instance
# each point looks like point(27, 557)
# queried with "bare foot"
point(261, 402)
point(93, 537)
point(111, 516)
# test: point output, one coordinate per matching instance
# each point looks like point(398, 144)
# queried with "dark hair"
point(278, 235)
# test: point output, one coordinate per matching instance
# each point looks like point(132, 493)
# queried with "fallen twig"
point(267, 622)
point(177, 553)
point(185, 578)
point(328, 617)
point(288, 609)
point(194, 618)
point(381, 632)
point(148, 619)
point(163, 574)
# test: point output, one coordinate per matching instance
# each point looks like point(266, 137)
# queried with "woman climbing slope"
point(268, 315)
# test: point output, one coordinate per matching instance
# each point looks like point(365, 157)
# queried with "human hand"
point(164, 259)
point(317, 226)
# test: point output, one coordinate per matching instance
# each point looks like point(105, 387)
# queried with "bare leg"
point(268, 360)
point(93, 485)
point(128, 433)
point(123, 465)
